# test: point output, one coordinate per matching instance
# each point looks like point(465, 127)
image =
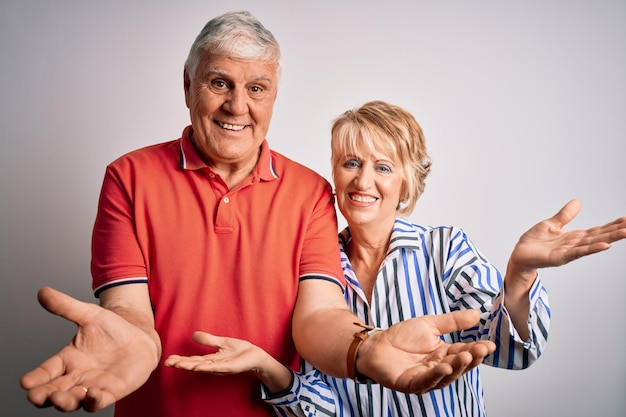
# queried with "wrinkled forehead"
point(215, 61)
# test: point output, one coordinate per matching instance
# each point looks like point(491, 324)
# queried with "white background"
point(523, 105)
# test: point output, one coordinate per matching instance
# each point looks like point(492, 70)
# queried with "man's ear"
point(186, 86)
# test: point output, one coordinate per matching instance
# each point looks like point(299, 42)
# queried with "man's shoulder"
point(286, 165)
point(154, 153)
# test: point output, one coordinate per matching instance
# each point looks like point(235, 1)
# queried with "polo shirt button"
point(211, 175)
point(226, 199)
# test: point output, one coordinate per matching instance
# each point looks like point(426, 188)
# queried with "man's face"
point(230, 102)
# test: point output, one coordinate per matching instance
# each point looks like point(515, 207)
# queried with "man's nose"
point(236, 102)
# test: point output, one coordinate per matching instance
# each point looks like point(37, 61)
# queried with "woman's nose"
point(363, 179)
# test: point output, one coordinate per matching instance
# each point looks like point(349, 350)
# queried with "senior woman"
point(396, 270)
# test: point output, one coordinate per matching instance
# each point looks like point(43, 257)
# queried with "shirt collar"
point(190, 160)
point(403, 235)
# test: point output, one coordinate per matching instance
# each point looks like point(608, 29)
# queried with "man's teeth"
point(362, 199)
point(232, 127)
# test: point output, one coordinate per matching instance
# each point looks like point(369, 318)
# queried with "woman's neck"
point(367, 250)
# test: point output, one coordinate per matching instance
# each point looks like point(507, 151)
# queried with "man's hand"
point(107, 359)
point(411, 357)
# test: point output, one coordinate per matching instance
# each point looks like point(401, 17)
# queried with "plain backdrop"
point(523, 105)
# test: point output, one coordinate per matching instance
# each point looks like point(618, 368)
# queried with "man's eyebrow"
point(214, 71)
point(220, 72)
point(264, 78)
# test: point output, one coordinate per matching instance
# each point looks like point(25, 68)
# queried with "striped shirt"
point(428, 270)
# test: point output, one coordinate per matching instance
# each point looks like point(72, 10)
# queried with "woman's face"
point(368, 187)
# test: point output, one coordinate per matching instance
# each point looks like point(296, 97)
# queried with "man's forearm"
point(323, 327)
point(132, 303)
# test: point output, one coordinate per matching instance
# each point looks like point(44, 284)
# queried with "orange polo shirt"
point(217, 260)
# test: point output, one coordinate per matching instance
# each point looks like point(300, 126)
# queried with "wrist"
point(519, 280)
point(353, 353)
point(276, 377)
point(523, 272)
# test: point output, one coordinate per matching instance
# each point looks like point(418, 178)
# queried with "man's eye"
point(220, 84)
point(257, 91)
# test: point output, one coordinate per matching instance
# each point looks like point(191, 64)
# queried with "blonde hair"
point(390, 129)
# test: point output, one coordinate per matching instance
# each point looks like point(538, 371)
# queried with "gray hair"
point(238, 35)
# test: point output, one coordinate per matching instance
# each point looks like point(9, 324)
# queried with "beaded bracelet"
point(353, 351)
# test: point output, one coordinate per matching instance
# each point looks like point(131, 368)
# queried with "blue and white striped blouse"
point(427, 271)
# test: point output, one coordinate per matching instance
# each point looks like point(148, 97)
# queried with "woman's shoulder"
point(429, 232)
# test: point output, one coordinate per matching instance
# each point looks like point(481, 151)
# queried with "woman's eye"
point(351, 163)
point(384, 169)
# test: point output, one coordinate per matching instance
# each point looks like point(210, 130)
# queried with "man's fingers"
point(483, 348)
point(455, 321)
point(460, 363)
point(69, 400)
point(459, 358)
point(423, 382)
point(96, 399)
point(59, 394)
point(463, 358)
point(479, 348)
point(44, 373)
point(65, 306)
point(39, 396)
